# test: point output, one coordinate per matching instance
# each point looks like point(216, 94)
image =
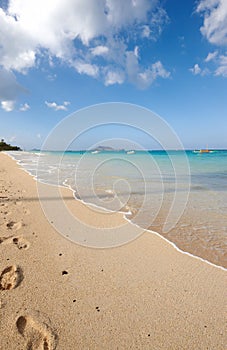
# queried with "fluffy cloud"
point(211, 56)
point(159, 71)
point(99, 50)
point(214, 29)
point(222, 67)
point(114, 77)
point(8, 105)
point(25, 107)
point(79, 33)
point(214, 26)
point(86, 68)
point(221, 71)
point(57, 107)
point(146, 31)
point(16, 46)
point(143, 77)
point(196, 69)
point(216, 65)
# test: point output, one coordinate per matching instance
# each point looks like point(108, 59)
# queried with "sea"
point(182, 195)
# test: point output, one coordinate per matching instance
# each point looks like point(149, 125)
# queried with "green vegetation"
point(7, 147)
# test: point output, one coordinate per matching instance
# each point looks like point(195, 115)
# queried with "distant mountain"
point(7, 147)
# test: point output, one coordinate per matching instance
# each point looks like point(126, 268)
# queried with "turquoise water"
point(181, 195)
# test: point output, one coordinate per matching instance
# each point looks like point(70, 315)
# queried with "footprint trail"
point(37, 336)
point(10, 277)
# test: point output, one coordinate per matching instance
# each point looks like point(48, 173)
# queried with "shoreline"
point(124, 214)
point(144, 294)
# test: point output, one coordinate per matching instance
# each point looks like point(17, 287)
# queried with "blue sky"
point(58, 57)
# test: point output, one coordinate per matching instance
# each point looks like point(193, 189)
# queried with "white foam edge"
point(124, 215)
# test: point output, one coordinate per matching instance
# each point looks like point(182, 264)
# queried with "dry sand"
point(55, 294)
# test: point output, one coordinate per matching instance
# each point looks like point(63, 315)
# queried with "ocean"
point(181, 195)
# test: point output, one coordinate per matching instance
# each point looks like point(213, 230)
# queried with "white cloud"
point(218, 65)
point(146, 31)
point(214, 14)
point(25, 107)
point(211, 56)
point(125, 13)
point(77, 33)
point(156, 24)
point(149, 75)
point(16, 46)
point(214, 29)
point(99, 50)
point(196, 69)
point(8, 106)
point(158, 20)
point(86, 68)
point(38, 136)
point(222, 66)
point(57, 107)
point(223, 60)
point(114, 77)
point(159, 71)
point(144, 77)
point(221, 71)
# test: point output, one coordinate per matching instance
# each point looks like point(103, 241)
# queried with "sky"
point(57, 57)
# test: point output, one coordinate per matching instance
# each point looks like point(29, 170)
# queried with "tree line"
point(7, 147)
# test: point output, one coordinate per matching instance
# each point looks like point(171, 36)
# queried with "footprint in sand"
point(19, 241)
point(37, 336)
point(14, 225)
point(10, 277)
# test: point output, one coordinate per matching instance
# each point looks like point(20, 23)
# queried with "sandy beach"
point(55, 294)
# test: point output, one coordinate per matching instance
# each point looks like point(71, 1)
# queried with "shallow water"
point(181, 195)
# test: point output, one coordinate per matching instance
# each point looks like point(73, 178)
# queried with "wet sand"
point(55, 294)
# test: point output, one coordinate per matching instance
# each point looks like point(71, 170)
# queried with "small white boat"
point(130, 152)
point(94, 152)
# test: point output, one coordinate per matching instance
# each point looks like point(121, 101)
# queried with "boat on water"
point(95, 152)
point(203, 151)
point(130, 152)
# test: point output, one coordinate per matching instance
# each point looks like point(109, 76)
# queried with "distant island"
point(7, 147)
point(106, 148)
point(103, 148)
